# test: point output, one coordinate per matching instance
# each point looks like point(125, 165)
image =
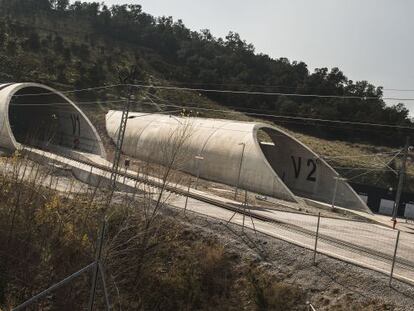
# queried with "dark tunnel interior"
point(47, 121)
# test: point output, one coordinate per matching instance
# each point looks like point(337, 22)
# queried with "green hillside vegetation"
point(82, 45)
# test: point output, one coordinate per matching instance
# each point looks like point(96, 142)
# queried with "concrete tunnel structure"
point(37, 116)
point(231, 152)
point(40, 117)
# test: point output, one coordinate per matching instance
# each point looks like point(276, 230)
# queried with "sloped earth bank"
point(330, 285)
point(191, 262)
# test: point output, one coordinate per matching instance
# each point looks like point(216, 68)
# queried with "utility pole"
point(125, 78)
point(401, 177)
point(128, 79)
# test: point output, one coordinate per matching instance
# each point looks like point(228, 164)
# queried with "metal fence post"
point(57, 183)
point(90, 176)
point(186, 198)
point(101, 270)
point(198, 158)
point(316, 238)
point(240, 168)
point(51, 182)
point(96, 270)
point(244, 208)
point(394, 257)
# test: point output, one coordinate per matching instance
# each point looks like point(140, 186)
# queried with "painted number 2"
point(297, 165)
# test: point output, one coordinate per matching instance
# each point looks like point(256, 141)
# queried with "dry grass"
point(173, 264)
point(43, 236)
point(277, 296)
point(152, 261)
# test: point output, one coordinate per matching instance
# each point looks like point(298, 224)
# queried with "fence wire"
point(362, 243)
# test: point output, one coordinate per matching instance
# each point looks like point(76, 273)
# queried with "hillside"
point(155, 249)
point(185, 262)
point(84, 44)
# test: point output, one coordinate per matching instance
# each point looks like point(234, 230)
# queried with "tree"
point(171, 51)
point(60, 5)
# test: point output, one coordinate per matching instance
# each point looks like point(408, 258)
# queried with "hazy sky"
point(367, 39)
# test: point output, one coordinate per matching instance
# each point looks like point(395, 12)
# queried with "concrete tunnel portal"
point(37, 116)
point(235, 153)
point(297, 171)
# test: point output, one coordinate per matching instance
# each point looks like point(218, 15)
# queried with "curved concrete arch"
point(36, 115)
point(283, 167)
point(203, 146)
point(138, 136)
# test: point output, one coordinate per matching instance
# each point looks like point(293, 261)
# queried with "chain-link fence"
point(366, 244)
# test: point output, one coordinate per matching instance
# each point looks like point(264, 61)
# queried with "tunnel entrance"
point(296, 167)
point(272, 151)
point(46, 120)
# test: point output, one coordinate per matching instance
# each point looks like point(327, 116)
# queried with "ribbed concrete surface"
point(229, 152)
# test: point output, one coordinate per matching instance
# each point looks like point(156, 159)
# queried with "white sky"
point(368, 40)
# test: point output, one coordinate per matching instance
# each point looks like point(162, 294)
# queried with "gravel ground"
point(330, 285)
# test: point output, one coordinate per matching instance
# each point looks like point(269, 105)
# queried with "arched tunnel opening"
point(297, 167)
point(272, 151)
point(46, 120)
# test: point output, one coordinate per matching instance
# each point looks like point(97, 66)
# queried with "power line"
point(293, 117)
point(379, 168)
point(364, 155)
point(175, 88)
point(400, 90)
point(64, 104)
point(267, 115)
point(237, 110)
point(70, 92)
point(349, 178)
point(199, 90)
point(237, 92)
point(274, 86)
point(218, 110)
